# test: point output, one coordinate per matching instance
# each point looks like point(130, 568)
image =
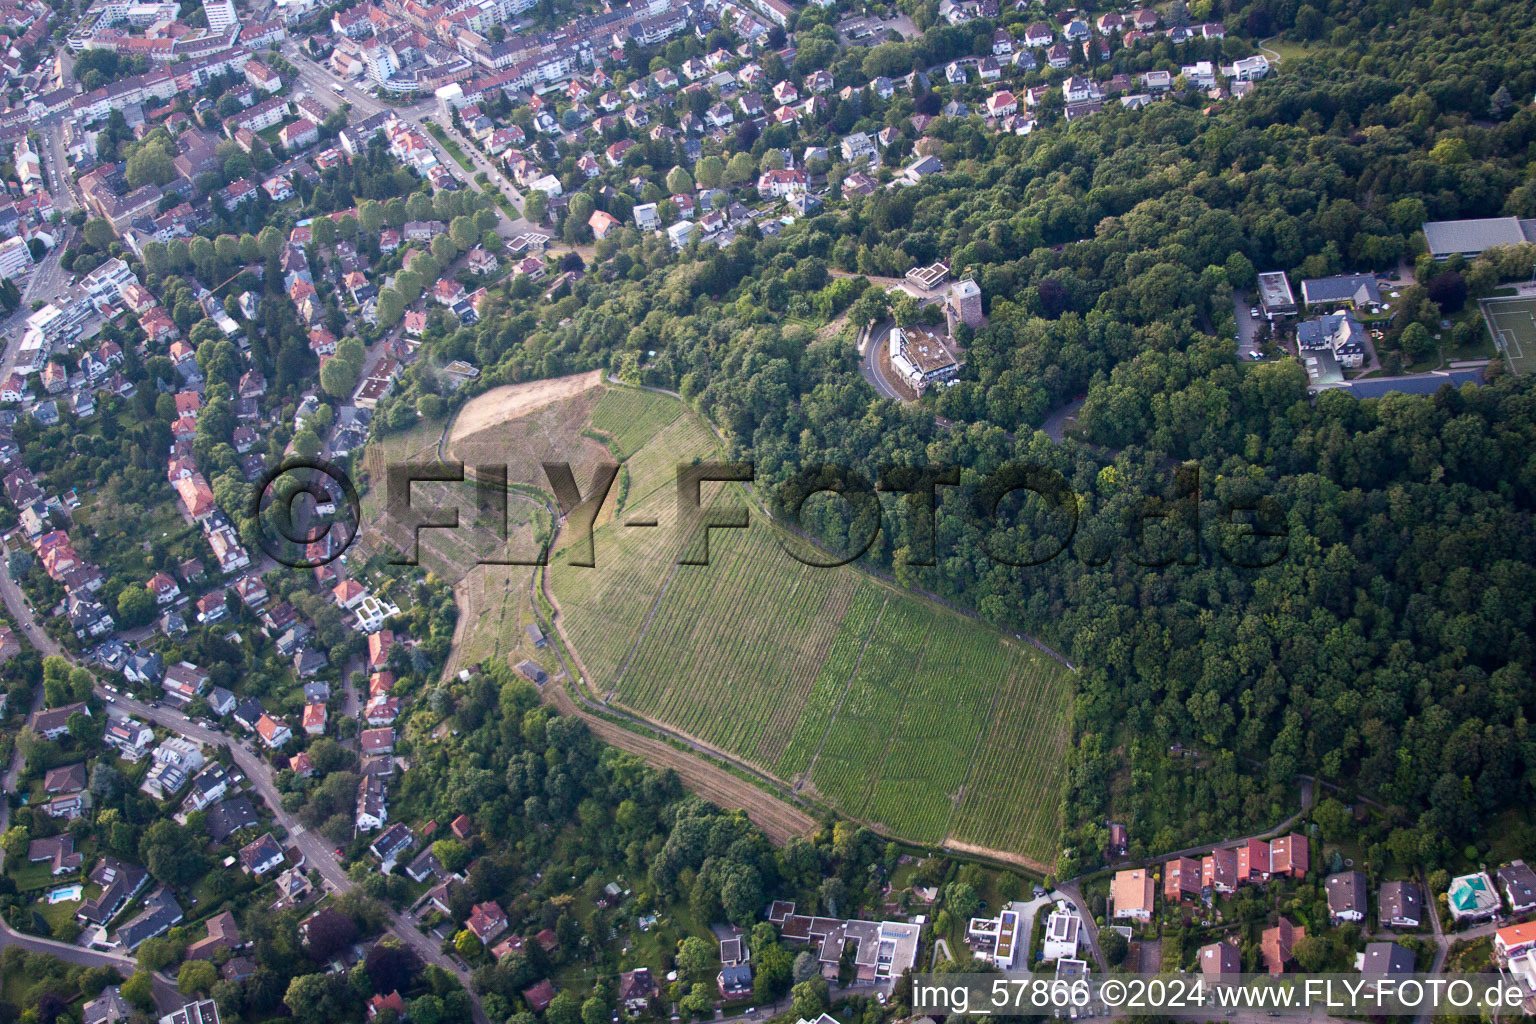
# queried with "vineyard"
point(890, 709)
point(632, 417)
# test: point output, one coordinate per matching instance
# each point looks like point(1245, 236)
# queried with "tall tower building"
point(221, 14)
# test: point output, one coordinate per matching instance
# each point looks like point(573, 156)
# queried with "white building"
point(920, 357)
point(680, 234)
point(1200, 75)
point(646, 217)
point(372, 612)
point(15, 258)
point(996, 938)
point(221, 14)
point(1248, 69)
point(1062, 930)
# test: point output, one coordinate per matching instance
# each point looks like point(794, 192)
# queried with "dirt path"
point(510, 401)
point(1003, 855)
point(779, 821)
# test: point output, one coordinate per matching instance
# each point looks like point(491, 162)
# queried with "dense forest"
point(1388, 648)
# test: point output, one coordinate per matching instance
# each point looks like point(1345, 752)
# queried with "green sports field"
point(890, 708)
point(1512, 322)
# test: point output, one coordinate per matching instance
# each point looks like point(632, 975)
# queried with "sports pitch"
point(1512, 322)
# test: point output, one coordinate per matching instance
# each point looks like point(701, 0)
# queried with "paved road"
point(319, 81)
point(1055, 425)
point(1247, 325)
point(166, 997)
point(870, 364)
point(318, 853)
point(64, 951)
point(61, 183)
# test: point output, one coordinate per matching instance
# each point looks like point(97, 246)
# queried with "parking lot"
point(869, 31)
point(1248, 326)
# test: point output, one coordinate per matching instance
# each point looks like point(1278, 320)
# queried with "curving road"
point(869, 365)
point(318, 853)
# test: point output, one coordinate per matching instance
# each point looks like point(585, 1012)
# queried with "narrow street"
point(318, 853)
point(320, 81)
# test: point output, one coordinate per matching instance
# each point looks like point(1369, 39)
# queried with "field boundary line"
point(1014, 656)
point(644, 629)
point(904, 706)
point(1506, 341)
point(847, 686)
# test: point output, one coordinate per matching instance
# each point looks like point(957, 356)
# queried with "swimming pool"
point(65, 893)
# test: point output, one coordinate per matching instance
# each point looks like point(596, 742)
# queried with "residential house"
point(486, 921)
point(1181, 879)
point(1219, 959)
point(636, 989)
point(1276, 944)
point(1519, 884)
point(51, 724)
point(261, 856)
point(371, 809)
point(1253, 862)
point(734, 982)
point(1473, 898)
point(1399, 905)
point(1290, 856)
point(1132, 894)
point(1381, 959)
point(1346, 896)
point(391, 844)
point(1218, 873)
point(273, 732)
point(1514, 940)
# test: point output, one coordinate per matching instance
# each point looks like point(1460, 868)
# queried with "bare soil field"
point(549, 432)
point(500, 405)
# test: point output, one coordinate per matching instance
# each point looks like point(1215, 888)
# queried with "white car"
point(1254, 312)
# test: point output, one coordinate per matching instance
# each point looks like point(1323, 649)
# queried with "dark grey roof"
point(1386, 958)
point(1519, 883)
point(161, 911)
point(1356, 288)
point(1336, 331)
point(1417, 384)
point(118, 881)
point(1399, 901)
point(250, 712)
point(210, 778)
point(1346, 893)
point(227, 817)
point(1447, 237)
point(392, 841)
